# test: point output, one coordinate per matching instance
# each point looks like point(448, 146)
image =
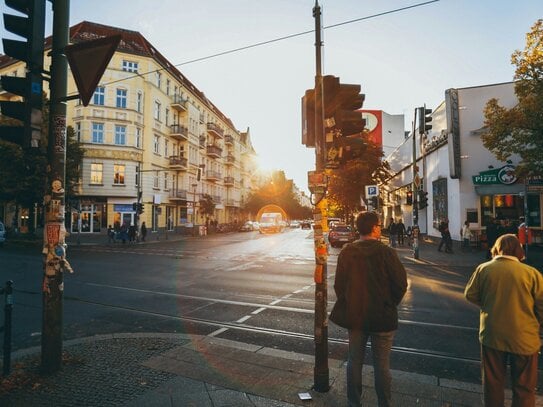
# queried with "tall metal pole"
point(54, 250)
point(414, 188)
point(321, 371)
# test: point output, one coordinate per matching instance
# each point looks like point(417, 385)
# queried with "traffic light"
point(409, 198)
point(424, 118)
point(423, 199)
point(342, 121)
point(140, 208)
point(134, 206)
point(29, 110)
point(308, 118)
point(374, 202)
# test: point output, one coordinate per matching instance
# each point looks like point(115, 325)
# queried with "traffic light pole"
point(321, 372)
point(54, 249)
point(414, 188)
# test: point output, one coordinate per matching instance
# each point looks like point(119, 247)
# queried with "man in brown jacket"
point(370, 283)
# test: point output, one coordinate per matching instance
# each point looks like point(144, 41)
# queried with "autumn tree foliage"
point(519, 130)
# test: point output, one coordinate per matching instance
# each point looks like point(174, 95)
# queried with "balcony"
point(179, 132)
point(202, 141)
point(229, 159)
point(179, 195)
point(214, 151)
point(229, 181)
point(179, 103)
point(232, 203)
point(178, 163)
point(229, 139)
point(216, 199)
point(213, 175)
point(215, 130)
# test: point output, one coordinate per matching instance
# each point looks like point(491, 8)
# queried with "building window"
point(167, 116)
point(130, 66)
point(166, 148)
point(99, 96)
point(138, 137)
point(439, 200)
point(156, 113)
point(96, 174)
point(98, 133)
point(139, 102)
point(166, 182)
point(118, 174)
point(155, 180)
point(121, 98)
point(156, 144)
point(78, 132)
point(159, 79)
point(120, 135)
point(168, 82)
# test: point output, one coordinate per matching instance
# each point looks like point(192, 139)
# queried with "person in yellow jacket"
point(510, 296)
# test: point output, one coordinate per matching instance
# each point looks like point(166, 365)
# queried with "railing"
point(229, 180)
point(179, 101)
point(229, 139)
point(214, 150)
point(178, 161)
point(179, 129)
point(215, 128)
point(179, 194)
point(213, 175)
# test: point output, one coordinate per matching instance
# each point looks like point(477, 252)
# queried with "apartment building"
point(151, 136)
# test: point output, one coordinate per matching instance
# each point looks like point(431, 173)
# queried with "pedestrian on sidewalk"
point(143, 231)
point(392, 232)
point(466, 236)
point(370, 282)
point(446, 239)
point(400, 231)
point(110, 234)
point(510, 295)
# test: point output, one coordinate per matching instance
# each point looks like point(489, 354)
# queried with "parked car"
point(341, 234)
point(305, 224)
point(2, 233)
point(247, 227)
point(294, 224)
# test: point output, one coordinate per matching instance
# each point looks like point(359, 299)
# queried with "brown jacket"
point(372, 281)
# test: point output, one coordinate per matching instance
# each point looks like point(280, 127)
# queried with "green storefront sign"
point(504, 176)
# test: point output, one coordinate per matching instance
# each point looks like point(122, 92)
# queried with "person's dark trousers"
point(400, 239)
point(523, 377)
point(441, 243)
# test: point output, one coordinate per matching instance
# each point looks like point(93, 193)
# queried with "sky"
point(401, 59)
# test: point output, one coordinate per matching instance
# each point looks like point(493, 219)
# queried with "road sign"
point(371, 191)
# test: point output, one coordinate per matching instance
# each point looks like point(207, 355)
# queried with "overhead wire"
point(285, 37)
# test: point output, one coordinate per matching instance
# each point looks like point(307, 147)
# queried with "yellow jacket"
point(510, 294)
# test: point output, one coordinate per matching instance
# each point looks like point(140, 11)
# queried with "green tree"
point(347, 184)
point(519, 130)
point(207, 206)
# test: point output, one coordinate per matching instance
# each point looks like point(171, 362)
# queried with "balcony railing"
point(179, 132)
point(179, 103)
point(228, 139)
point(202, 141)
point(178, 162)
point(215, 129)
point(213, 175)
point(230, 159)
point(179, 194)
point(228, 180)
point(214, 151)
point(231, 202)
point(216, 199)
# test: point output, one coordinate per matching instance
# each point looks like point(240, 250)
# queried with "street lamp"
point(194, 209)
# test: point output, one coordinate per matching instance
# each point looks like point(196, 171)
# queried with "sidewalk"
point(181, 370)
point(190, 370)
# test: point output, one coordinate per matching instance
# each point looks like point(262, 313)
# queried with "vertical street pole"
point(54, 249)
point(321, 371)
point(526, 218)
point(414, 188)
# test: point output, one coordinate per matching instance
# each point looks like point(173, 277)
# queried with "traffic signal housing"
point(423, 199)
point(140, 208)
point(409, 198)
point(29, 88)
point(308, 118)
point(425, 118)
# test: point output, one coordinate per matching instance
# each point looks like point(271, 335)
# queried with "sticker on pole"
point(371, 191)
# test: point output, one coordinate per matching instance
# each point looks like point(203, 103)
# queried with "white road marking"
point(243, 319)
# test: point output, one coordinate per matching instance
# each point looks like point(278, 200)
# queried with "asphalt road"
point(244, 286)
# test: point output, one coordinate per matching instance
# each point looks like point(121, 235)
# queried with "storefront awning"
point(499, 189)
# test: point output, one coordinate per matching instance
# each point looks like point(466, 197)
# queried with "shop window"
point(534, 211)
point(440, 202)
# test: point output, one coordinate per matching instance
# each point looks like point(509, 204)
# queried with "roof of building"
point(132, 42)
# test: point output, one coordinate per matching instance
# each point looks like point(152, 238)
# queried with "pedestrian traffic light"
point(308, 118)
point(423, 199)
point(29, 88)
point(409, 198)
point(424, 118)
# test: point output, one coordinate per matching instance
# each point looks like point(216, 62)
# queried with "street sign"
point(371, 191)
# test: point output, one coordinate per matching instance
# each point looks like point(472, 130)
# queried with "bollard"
point(8, 307)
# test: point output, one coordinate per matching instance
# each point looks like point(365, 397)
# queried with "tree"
point(207, 206)
point(347, 184)
point(279, 191)
point(519, 130)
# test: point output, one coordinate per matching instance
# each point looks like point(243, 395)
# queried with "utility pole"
point(414, 188)
point(54, 249)
point(321, 372)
